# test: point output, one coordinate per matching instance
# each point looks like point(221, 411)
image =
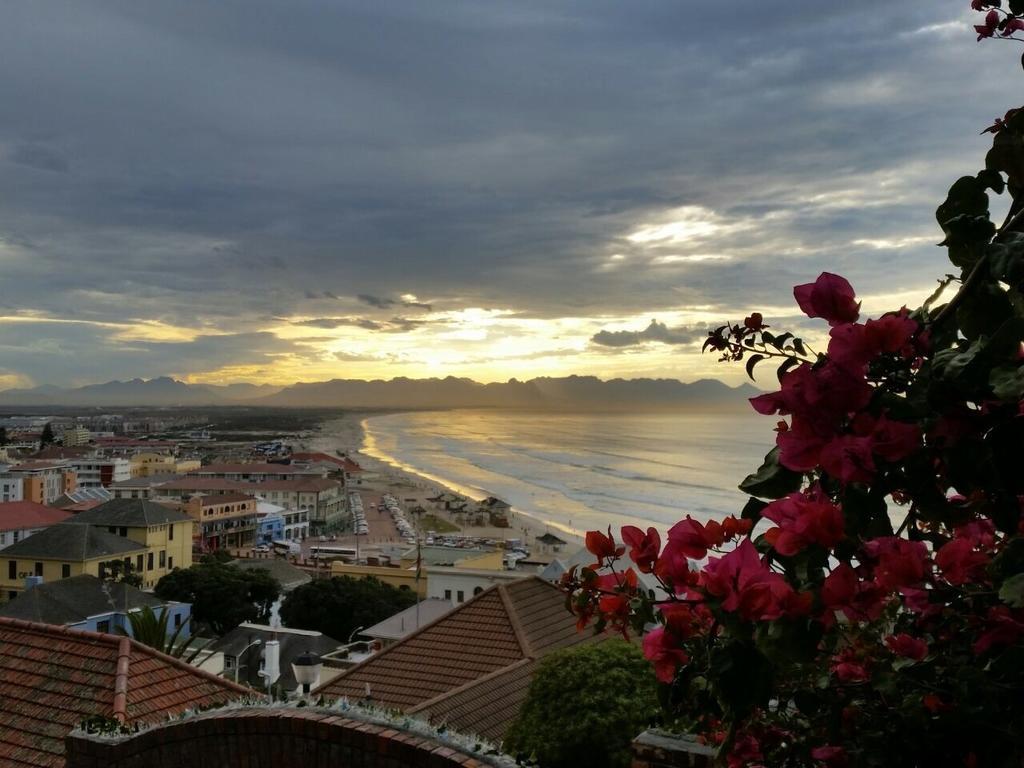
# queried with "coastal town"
point(97, 524)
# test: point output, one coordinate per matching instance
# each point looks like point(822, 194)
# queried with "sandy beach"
point(346, 434)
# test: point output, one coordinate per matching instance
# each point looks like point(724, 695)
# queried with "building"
point(82, 499)
point(164, 533)
point(270, 523)
point(244, 659)
point(257, 472)
point(85, 602)
point(20, 519)
point(98, 472)
point(53, 678)
point(286, 574)
point(74, 436)
point(149, 464)
point(42, 481)
point(10, 488)
point(470, 668)
point(228, 521)
point(322, 499)
point(64, 550)
point(396, 576)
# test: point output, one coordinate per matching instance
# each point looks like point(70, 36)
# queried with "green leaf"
point(751, 362)
point(788, 363)
point(772, 480)
point(742, 677)
point(1012, 591)
point(752, 509)
point(1007, 383)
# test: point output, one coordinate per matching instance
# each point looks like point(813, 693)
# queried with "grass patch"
point(437, 524)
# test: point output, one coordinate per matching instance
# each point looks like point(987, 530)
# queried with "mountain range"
point(578, 393)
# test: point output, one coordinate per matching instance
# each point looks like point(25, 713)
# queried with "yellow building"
point(63, 550)
point(150, 464)
point(403, 578)
point(165, 533)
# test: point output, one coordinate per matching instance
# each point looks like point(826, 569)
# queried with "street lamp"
point(354, 631)
point(238, 663)
point(306, 668)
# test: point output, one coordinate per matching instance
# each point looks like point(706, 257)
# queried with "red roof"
point(253, 468)
point(203, 484)
point(19, 515)
point(342, 461)
point(225, 498)
point(132, 442)
point(52, 678)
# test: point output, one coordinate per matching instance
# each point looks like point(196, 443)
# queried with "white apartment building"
point(101, 472)
point(11, 489)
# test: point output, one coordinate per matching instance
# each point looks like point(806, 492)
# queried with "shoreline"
point(348, 434)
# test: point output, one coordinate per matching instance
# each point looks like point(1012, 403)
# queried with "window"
point(140, 562)
point(123, 532)
point(65, 571)
point(229, 662)
point(103, 626)
point(170, 532)
point(112, 529)
point(447, 594)
point(477, 590)
point(177, 620)
point(17, 535)
point(11, 595)
point(12, 569)
point(149, 562)
point(3, 536)
point(461, 596)
point(39, 569)
point(163, 558)
point(170, 563)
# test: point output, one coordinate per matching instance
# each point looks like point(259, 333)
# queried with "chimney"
point(272, 662)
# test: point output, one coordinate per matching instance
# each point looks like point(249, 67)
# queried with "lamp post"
point(240, 655)
point(354, 631)
point(306, 668)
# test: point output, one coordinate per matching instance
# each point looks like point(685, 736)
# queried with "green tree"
point(584, 706)
point(47, 438)
point(339, 606)
point(121, 570)
point(150, 628)
point(221, 595)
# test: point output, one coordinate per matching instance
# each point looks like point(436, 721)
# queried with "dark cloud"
point(656, 332)
point(209, 164)
point(340, 322)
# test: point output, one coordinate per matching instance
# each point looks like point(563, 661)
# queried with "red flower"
point(989, 27)
point(830, 297)
point(673, 567)
point(907, 646)
point(894, 440)
point(848, 458)
point(933, 703)
point(746, 585)
point(801, 521)
point(1002, 628)
point(834, 757)
point(644, 548)
point(892, 332)
point(746, 750)
point(960, 563)
point(800, 446)
point(857, 600)
point(602, 546)
point(662, 650)
point(1013, 24)
point(694, 539)
point(900, 563)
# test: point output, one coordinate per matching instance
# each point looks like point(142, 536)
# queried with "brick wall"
point(267, 738)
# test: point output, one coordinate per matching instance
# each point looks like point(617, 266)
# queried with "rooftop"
point(69, 601)
point(254, 468)
point(292, 644)
point(226, 498)
point(287, 575)
point(405, 622)
point(131, 513)
point(19, 515)
point(52, 678)
point(72, 541)
point(471, 667)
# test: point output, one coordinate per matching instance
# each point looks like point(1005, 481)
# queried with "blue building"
point(271, 525)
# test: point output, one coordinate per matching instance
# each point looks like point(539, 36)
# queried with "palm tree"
point(151, 629)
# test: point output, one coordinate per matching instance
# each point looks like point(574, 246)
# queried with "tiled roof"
point(202, 484)
point(252, 469)
point(72, 541)
point(19, 515)
point(226, 498)
point(131, 512)
point(72, 600)
point(471, 667)
point(287, 575)
point(303, 485)
point(52, 678)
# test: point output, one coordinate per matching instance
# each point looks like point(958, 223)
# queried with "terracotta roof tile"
point(472, 666)
point(52, 678)
point(17, 515)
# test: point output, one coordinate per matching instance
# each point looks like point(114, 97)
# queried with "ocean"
point(579, 472)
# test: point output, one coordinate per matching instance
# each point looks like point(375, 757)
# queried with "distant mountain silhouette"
point(579, 393)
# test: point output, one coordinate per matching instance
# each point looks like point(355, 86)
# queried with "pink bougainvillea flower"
point(979, 5)
point(695, 539)
point(907, 646)
point(803, 520)
point(1002, 627)
point(602, 546)
point(844, 591)
point(661, 648)
point(791, 397)
point(894, 440)
point(746, 585)
point(745, 753)
point(891, 333)
point(1013, 24)
point(898, 562)
point(755, 322)
point(644, 547)
point(833, 757)
point(830, 297)
point(800, 446)
point(960, 563)
point(848, 459)
point(989, 27)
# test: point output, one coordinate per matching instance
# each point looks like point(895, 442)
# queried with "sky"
point(258, 191)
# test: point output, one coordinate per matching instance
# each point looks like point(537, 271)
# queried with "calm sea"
point(581, 472)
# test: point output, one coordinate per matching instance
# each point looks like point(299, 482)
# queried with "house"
point(42, 481)
point(407, 621)
point(52, 678)
point(223, 521)
point(20, 519)
point(74, 436)
point(86, 602)
point(286, 574)
point(245, 658)
point(148, 464)
point(470, 576)
point(470, 668)
point(165, 533)
point(98, 472)
point(257, 472)
point(64, 550)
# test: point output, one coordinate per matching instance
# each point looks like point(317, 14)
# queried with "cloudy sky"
point(246, 190)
